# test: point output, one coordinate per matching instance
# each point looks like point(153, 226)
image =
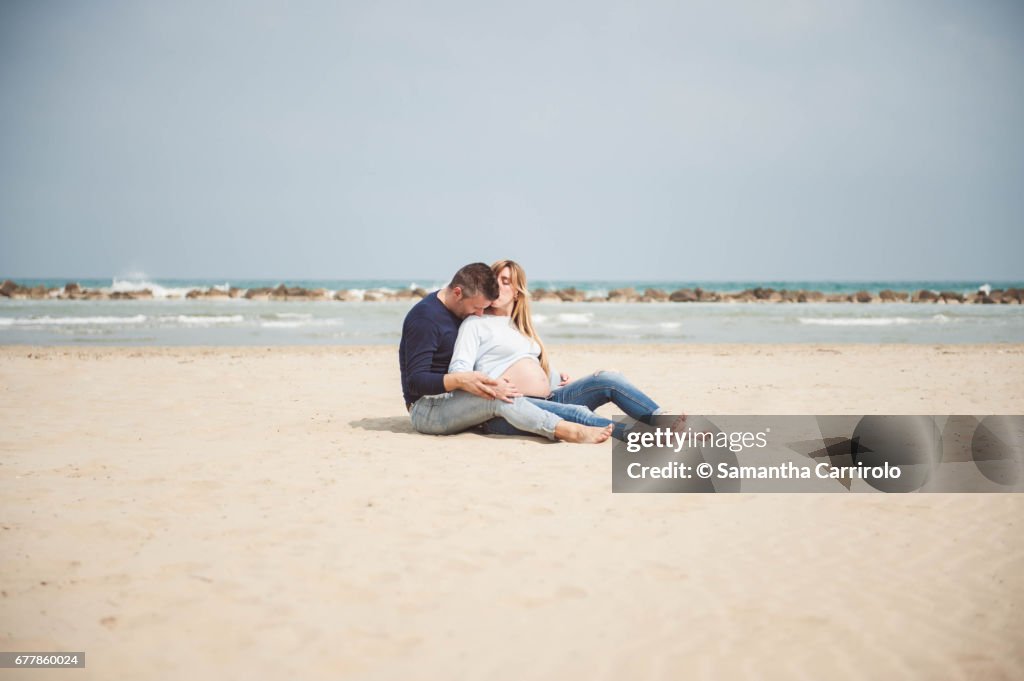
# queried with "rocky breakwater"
point(1008, 296)
point(983, 296)
point(70, 291)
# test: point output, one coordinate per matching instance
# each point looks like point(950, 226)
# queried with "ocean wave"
point(299, 323)
point(628, 326)
point(69, 321)
point(575, 317)
point(135, 285)
point(873, 321)
point(292, 315)
point(203, 320)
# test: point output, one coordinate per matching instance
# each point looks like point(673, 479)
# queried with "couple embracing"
point(470, 357)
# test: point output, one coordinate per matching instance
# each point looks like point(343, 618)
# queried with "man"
point(442, 403)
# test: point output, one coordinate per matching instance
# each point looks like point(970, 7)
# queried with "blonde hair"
point(521, 306)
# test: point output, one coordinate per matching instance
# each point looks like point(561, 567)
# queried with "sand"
point(226, 513)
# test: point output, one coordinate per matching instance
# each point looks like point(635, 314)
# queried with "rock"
point(706, 296)
point(234, 292)
point(656, 294)
point(373, 296)
point(72, 288)
point(8, 288)
point(684, 295)
point(810, 297)
point(215, 293)
point(950, 296)
point(420, 292)
point(257, 293)
point(622, 295)
point(924, 296)
point(838, 298)
point(890, 296)
point(543, 295)
point(345, 296)
point(862, 297)
point(571, 295)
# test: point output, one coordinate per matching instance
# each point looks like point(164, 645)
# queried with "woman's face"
point(506, 290)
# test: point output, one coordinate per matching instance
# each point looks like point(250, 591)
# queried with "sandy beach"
point(237, 513)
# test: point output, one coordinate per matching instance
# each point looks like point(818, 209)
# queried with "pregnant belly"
point(527, 375)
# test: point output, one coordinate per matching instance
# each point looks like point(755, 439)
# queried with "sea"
point(169, 319)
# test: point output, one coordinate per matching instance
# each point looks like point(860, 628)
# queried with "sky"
point(803, 140)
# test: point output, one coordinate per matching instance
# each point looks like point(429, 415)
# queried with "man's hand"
point(473, 382)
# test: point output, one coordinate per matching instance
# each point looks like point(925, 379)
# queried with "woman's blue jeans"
point(576, 401)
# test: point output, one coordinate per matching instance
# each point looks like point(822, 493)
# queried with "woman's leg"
point(603, 387)
point(569, 412)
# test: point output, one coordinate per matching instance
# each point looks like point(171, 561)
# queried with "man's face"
point(464, 306)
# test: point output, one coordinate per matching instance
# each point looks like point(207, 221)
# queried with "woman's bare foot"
point(580, 434)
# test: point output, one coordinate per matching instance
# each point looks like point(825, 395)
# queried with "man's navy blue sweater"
point(428, 339)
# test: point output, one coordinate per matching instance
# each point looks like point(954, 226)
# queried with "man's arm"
point(421, 341)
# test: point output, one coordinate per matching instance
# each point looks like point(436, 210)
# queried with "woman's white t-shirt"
point(491, 344)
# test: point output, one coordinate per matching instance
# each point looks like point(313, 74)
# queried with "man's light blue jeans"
point(577, 400)
point(457, 411)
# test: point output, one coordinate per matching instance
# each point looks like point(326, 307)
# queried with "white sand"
point(252, 513)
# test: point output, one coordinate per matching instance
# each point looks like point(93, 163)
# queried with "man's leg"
point(450, 414)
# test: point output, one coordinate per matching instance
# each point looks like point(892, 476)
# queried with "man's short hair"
point(476, 278)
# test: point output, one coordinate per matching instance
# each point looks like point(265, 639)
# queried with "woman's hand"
point(565, 379)
point(506, 390)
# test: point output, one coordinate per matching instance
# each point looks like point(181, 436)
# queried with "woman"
point(504, 344)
